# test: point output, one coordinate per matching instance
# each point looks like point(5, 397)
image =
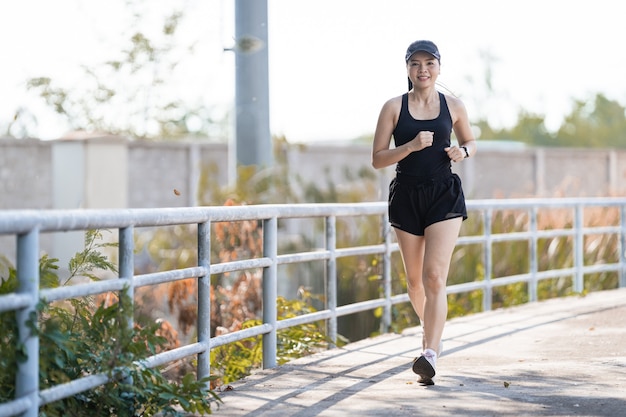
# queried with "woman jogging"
point(426, 201)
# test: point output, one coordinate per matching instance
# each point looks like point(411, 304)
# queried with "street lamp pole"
point(253, 141)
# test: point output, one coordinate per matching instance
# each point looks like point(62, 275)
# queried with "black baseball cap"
point(424, 46)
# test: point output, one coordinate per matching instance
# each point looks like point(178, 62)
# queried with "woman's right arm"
point(382, 156)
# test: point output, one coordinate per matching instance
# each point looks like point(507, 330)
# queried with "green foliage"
point(594, 123)
point(531, 128)
point(236, 360)
point(10, 348)
point(511, 258)
point(302, 340)
point(77, 341)
point(73, 345)
point(91, 258)
point(8, 279)
point(89, 336)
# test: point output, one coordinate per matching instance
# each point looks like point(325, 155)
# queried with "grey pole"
point(331, 279)
point(204, 301)
point(27, 378)
point(270, 292)
point(252, 132)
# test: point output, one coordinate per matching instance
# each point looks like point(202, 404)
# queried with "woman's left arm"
point(461, 125)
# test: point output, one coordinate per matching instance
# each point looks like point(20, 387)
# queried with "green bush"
point(237, 360)
point(89, 336)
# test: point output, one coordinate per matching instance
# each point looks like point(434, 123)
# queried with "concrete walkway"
point(562, 357)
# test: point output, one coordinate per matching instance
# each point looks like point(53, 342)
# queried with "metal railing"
point(28, 225)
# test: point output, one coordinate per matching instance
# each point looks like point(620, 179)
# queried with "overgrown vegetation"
point(236, 300)
point(90, 336)
point(237, 360)
point(511, 258)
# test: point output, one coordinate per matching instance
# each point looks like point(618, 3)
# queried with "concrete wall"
point(25, 182)
point(111, 172)
point(25, 174)
point(492, 173)
point(155, 171)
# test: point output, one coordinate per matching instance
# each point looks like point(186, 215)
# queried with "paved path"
point(563, 357)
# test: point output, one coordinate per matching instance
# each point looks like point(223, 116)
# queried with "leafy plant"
point(91, 258)
point(83, 343)
point(78, 338)
point(236, 360)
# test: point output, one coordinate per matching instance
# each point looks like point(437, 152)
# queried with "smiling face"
point(422, 69)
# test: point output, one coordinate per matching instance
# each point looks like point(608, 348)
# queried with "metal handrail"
point(28, 225)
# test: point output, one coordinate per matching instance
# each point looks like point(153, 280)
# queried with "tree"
point(594, 123)
point(531, 129)
point(127, 95)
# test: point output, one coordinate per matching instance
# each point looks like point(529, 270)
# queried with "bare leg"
point(426, 263)
point(412, 251)
point(440, 239)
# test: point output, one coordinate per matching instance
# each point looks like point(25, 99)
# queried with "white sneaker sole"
point(423, 368)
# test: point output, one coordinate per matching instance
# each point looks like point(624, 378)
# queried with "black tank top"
point(432, 161)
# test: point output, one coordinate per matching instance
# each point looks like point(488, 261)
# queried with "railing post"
point(488, 259)
point(386, 319)
point(331, 279)
point(204, 301)
point(579, 249)
point(126, 272)
point(532, 284)
point(270, 291)
point(127, 267)
point(27, 378)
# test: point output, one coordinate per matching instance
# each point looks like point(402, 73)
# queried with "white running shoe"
point(424, 366)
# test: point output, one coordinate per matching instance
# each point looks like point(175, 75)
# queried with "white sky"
point(333, 63)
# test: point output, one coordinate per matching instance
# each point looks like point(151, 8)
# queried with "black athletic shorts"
point(416, 203)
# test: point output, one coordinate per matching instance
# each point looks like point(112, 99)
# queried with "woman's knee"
point(415, 284)
point(434, 280)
